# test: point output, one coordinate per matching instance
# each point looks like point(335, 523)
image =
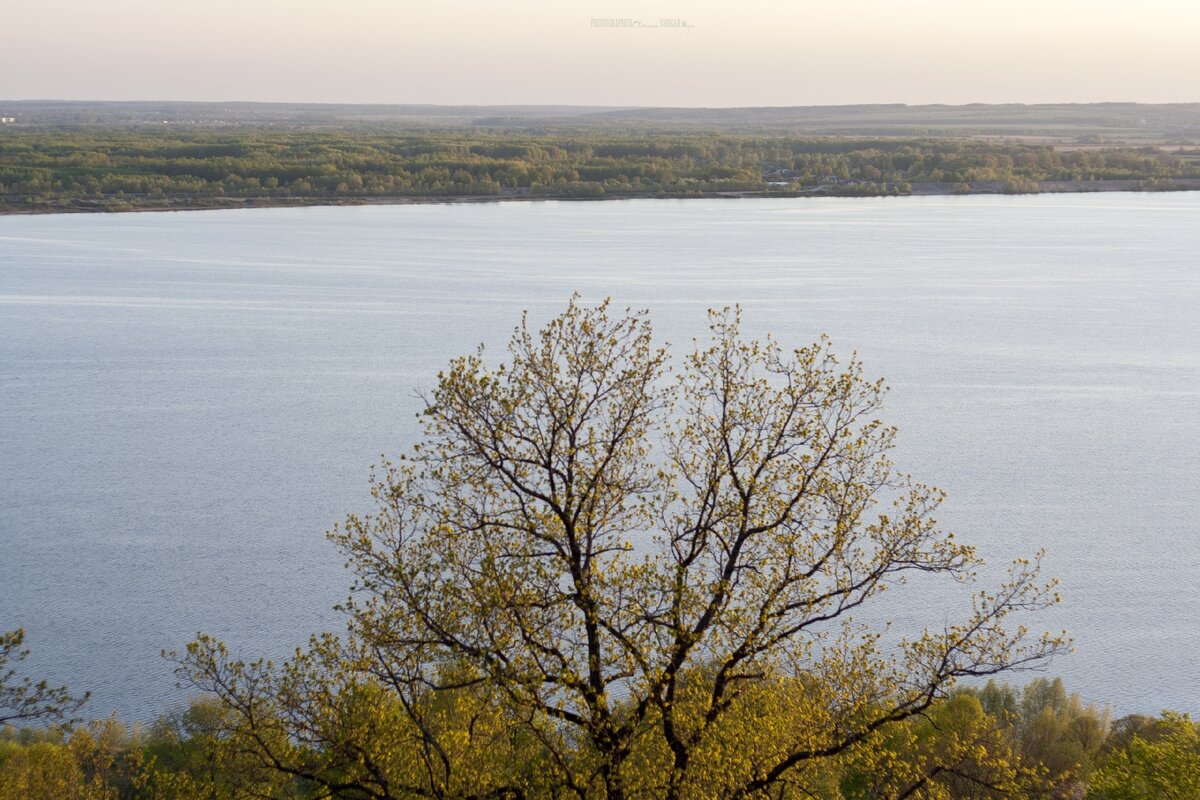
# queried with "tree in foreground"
point(599, 576)
point(1161, 762)
point(23, 699)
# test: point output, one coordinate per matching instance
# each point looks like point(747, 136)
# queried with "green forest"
point(997, 741)
point(115, 169)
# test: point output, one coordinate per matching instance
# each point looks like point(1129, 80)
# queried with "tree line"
point(995, 741)
point(120, 168)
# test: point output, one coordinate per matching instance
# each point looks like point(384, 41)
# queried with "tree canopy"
point(603, 574)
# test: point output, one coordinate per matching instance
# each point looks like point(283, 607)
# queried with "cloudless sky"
point(747, 52)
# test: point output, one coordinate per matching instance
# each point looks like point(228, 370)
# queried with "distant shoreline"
point(130, 205)
point(115, 169)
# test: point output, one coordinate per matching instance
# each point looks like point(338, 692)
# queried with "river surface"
point(189, 400)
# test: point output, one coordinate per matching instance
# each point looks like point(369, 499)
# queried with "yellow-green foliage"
point(1058, 732)
point(1160, 763)
point(39, 769)
point(87, 764)
point(601, 577)
point(965, 747)
point(954, 751)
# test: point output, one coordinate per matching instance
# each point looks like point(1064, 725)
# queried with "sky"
point(602, 52)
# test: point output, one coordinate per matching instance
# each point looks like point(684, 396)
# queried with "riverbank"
point(74, 171)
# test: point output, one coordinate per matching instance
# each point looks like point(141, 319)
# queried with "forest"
point(118, 169)
point(994, 741)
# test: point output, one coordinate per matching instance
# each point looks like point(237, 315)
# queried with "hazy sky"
point(747, 52)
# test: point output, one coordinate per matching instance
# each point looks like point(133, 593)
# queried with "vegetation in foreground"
point(603, 575)
point(996, 742)
point(117, 169)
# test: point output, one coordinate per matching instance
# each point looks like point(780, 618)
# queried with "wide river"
point(189, 400)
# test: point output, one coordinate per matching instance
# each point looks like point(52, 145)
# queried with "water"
point(187, 401)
